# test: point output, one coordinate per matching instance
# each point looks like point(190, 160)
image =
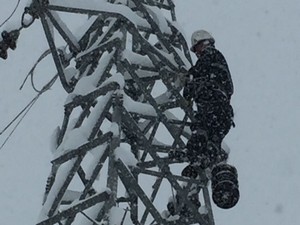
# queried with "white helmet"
point(200, 35)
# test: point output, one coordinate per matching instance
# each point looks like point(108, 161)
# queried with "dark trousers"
point(213, 122)
point(215, 119)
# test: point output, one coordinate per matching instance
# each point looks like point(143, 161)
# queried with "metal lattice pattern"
point(123, 76)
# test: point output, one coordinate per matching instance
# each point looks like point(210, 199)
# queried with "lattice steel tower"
point(123, 116)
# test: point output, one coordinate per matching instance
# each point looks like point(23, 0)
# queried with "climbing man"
point(209, 86)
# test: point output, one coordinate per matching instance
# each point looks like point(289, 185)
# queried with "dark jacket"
point(209, 80)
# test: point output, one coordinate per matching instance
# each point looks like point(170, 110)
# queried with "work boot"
point(190, 171)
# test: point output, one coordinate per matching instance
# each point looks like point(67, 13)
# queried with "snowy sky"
point(261, 42)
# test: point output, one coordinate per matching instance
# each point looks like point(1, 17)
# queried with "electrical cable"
point(13, 12)
point(31, 72)
point(26, 109)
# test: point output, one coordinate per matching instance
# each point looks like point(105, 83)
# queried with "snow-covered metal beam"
point(76, 208)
